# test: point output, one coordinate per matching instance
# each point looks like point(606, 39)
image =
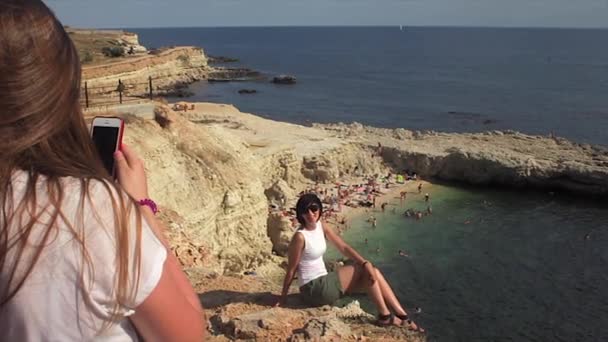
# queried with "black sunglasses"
point(313, 207)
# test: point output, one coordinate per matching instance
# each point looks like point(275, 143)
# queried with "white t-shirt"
point(50, 306)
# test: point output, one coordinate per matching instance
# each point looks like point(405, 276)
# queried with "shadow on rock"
point(217, 298)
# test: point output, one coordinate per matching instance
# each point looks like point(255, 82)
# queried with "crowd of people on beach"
point(360, 192)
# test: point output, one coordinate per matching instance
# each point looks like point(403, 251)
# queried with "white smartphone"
point(106, 133)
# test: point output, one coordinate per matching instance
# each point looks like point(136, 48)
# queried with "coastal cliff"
point(169, 69)
point(214, 171)
point(111, 55)
point(88, 41)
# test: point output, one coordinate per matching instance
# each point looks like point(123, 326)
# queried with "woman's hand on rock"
point(279, 301)
point(131, 173)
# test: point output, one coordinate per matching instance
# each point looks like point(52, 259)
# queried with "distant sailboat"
point(400, 27)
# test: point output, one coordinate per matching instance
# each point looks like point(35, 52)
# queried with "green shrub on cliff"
point(114, 51)
point(87, 57)
point(184, 59)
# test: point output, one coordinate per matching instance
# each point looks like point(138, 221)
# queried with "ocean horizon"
point(126, 28)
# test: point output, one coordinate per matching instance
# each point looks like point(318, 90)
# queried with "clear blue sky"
point(172, 13)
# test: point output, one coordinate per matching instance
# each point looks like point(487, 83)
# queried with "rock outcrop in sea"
point(496, 158)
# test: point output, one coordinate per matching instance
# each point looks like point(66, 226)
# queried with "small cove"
point(494, 264)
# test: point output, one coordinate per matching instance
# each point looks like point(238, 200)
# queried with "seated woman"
point(317, 286)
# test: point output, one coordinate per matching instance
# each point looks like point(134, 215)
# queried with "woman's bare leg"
point(391, 299)
point(353, 279)
point(388, 294)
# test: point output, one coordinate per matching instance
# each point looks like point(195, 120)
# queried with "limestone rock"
point(252, 325)
point(280, 232)
point(231, 200)
point(402, 134)
point(230, 218)
point(280, 193)
point(352, 311)
point(323, 328)
point(319, 169)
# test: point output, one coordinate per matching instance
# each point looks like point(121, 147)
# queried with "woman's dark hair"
point(302, 206)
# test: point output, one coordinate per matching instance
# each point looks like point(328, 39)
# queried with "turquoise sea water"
point(522, 269)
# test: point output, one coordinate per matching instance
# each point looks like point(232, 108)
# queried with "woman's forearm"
point(287, 282)
point(352, 253)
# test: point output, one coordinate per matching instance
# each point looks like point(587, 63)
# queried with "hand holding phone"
point(106, 133)
point(131, 173)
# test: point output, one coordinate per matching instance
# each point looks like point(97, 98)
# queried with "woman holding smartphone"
point(317, 286)
point(82, 257)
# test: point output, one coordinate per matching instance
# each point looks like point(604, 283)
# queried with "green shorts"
point(324, 290)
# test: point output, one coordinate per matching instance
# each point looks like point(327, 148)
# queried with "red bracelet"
point(150, 204)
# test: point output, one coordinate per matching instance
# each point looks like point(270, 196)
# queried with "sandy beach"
point(385, 195)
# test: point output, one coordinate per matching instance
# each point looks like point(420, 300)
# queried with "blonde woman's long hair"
point(43, 133)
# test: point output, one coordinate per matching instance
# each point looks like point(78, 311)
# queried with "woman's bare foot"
point(411, 325)
point(388, 320)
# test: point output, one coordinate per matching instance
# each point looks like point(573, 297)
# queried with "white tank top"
point(311, 262)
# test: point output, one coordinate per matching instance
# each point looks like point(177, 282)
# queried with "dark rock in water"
point(233, 74)
point(489, 121)
point(212, 80)
point(181, 93)
point(222, 59)
point(465, 115)
point(247, 91)
point(284, 79)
